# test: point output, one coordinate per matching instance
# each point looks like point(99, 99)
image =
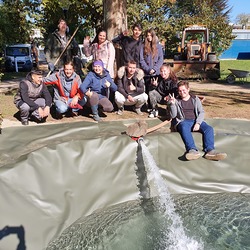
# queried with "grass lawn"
point(233, 64)
point(13, 75)
point(224, 66)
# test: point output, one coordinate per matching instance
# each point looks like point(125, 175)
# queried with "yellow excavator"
point(194, 57)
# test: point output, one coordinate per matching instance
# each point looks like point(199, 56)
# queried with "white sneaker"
point(120, 111)
point(153, 114)
point(137, 111)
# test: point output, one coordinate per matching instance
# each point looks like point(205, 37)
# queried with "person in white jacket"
point(101, 49)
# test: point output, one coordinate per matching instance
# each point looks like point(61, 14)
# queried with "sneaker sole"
point(217, 157)
point(191, 157)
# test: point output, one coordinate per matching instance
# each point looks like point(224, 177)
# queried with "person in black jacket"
point(131, 45)
point(131, 88)
point(56, 43)
point(161, 88)
point(33, 98)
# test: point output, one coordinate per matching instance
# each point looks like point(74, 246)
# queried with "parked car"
point(22, 54)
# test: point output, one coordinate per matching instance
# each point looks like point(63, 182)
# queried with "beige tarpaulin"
point(51, 175)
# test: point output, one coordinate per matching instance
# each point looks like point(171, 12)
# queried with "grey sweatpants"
point(25, 109)
point(154, 98)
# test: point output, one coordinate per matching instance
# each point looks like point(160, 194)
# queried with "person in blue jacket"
point(151, 58)
point(97, 86)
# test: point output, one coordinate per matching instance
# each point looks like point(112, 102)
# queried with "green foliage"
point(212, 13)
point(168, 17)
point(15, 28)
point(151, 14)
point(86, 13)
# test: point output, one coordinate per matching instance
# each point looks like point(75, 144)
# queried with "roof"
point(19, 45)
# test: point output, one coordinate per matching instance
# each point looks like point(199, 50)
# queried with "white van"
point(22, 54)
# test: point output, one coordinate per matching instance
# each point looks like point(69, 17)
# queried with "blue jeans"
point(185, 129)
point(62, 107)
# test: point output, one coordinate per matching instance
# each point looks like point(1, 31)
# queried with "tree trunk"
point(115, 17)
point(115, 22)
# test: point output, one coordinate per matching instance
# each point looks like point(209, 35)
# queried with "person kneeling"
point(67, 95)
point(33, 98)
point(97, 86)
point(130, 88)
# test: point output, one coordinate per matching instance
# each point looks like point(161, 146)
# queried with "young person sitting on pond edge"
point(33, 98)
point(188, 116)
point(161, 87)
point(131, 88)
point(67, 95)
point(97, 86)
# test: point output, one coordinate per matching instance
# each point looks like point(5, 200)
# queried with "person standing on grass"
point(161, 88)
point(33, 98)
point(96, 87)
point(188, 116)
point(131, 88)
point(67, 95)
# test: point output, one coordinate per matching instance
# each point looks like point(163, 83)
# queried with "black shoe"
point(25, 122)
point(73, 113)
point(37, 120)
point(58, 116)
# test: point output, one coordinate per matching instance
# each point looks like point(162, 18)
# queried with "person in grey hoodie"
point(188, 116)
point(67, 95)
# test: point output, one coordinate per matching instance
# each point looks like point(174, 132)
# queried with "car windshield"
point(17, 51)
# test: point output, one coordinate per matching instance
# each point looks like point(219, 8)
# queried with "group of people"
point(143, 79)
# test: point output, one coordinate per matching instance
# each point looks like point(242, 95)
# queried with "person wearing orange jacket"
point(67, 95)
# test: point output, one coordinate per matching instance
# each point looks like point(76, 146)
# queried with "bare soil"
point(221, 101)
